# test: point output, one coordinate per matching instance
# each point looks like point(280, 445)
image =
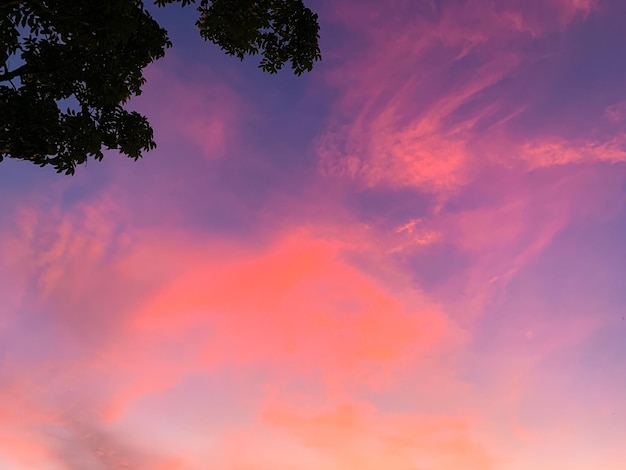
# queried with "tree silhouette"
point(68, 67)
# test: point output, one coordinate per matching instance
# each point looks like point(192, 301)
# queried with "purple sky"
point(411, 258)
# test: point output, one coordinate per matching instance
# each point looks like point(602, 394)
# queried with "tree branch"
point(10, 75)
point(10, 3)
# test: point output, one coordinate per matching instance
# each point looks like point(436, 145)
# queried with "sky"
point(410, 258)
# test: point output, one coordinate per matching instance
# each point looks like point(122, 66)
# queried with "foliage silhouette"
point(88, 57)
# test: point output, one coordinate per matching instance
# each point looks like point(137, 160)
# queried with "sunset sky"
point(411, 258)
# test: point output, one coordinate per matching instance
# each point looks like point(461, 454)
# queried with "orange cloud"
point(297, 305)
point(20, 443)
point(294, 307)
point(356, 435)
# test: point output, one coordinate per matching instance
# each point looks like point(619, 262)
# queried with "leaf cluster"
point(282, 30)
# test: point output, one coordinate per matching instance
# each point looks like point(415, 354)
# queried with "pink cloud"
point(616, 113)
point(380, 138)
point(401, 118)
point(558, 151)
point(206, 114)
point(411, 112)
